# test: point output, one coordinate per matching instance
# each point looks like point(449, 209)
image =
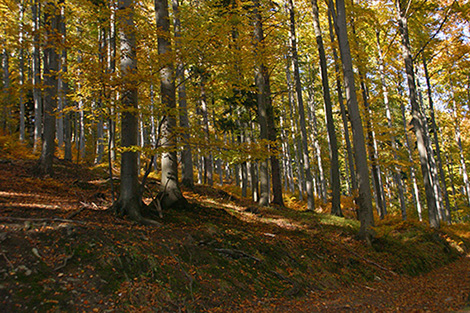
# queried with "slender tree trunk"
point(63, 90)
point(6, 89)
point(51, 67)
point(415, 191)
point(435, 130)
point(260, 80)
point(21, 74)
point(395, 171)
point(364, 199)
point(208, 164)
point(186, 154)
point(300, 103)
point(100, 141)
point(417, 117)
point(332, 141)
point(344, 116)
point(36, 77)
point(458, 139)
point(172, 196)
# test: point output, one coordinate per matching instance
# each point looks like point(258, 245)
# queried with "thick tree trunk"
point(364, 199)
point(332, 141)
point(130, 198)
point(300, 103)
point(260, 80)
point(51, 67)
point(172, 196)
point(417, 117)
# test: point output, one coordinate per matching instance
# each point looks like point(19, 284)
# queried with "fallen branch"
point(372, 262)
point(65, 261)
point(8, 261)
point(54, 219)
point(236, 254)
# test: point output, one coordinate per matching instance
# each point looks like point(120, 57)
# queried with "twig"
point(21, 219)
point(65, 261)
point(237, 254)
point(372, 262)
point(8, 261)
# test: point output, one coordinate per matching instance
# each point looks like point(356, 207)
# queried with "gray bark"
point(21, 74)
point(344, 117)
point(260, 81)
point(395, 171)
point(187, 171)
point(300, 103)
point(36, 77)
point(332, 141)
point(364, 199)
point(51, 67)
point(417, 117)
point(435, 130)
point(172, 196)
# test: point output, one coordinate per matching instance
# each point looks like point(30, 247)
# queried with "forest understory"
point(61, 250)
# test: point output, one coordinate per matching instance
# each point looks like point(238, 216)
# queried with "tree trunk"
point(333, 144)
point(6, 89)
point(130, 198)
point(396, 170)
point(344, 117)
point(36, 77)
point(410, 159)
point(187, 174)
point(21, 74)
point(364, 199)
point(435, 130)
point(260, 80)
point(300, 103)
point(63, 90)
point(417, 117)
point(172, 196)
point(51, 67)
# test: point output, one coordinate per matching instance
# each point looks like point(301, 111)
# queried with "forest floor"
point(61, 250)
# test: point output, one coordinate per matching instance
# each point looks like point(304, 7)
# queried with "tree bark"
point(51, 67)
point(395, 171)
point(187, 171)
point(417, 116)
point(364, 199)
point(435, 130)
point(332, 141)
point(36, 77)
point(172, 196)
point(353, 181)
point(300, 103)
point(21, 74)
point(130, 198)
